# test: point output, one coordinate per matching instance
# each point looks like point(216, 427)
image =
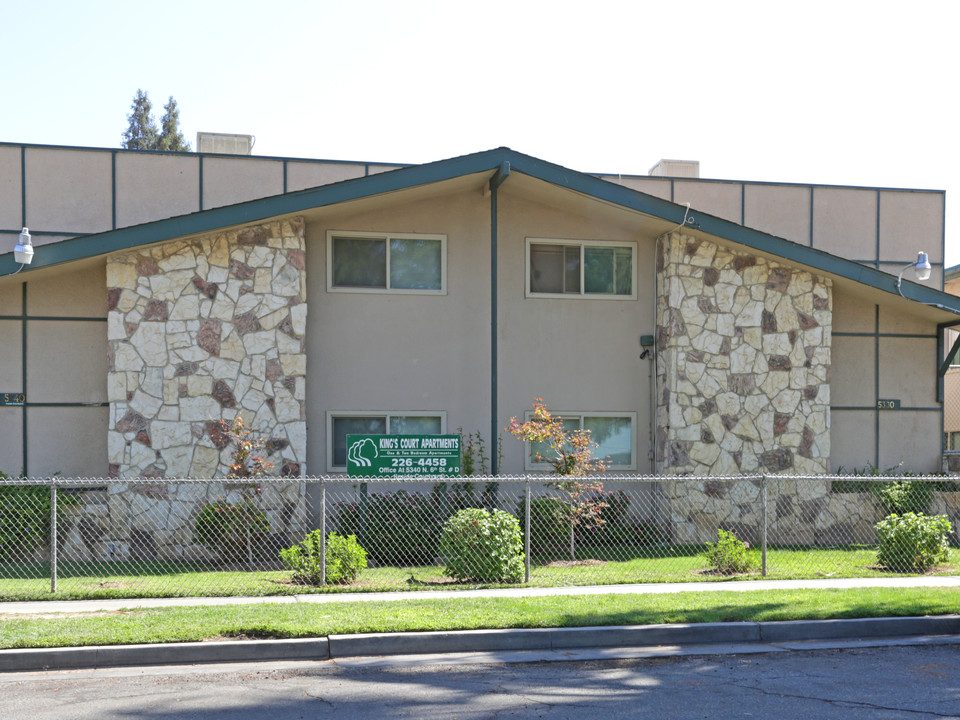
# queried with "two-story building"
point(695, 326)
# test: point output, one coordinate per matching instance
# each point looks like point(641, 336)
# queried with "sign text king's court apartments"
point(402, 455)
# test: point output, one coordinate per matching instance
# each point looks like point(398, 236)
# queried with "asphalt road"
point(887, 682)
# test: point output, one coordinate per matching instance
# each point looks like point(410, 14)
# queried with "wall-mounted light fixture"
point(23, 251)
point(922, 268)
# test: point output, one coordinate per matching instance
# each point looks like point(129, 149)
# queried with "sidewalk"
point(73, 606)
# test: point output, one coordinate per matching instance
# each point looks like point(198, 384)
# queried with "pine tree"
point(141, 133)
point(171, 138)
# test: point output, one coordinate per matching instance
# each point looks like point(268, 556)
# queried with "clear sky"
point(837, 92)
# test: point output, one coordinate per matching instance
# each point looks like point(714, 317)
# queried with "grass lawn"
point(317, 620)
point(614, 566)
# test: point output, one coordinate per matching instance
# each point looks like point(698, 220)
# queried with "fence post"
point(763, 524)
point(323, 533)
point(526, 532)
point(53, 535)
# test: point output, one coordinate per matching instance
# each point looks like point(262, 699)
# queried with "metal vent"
point(676, 168)
point(224, 143)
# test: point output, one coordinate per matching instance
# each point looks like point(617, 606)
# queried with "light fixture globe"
point(923, 266)
point(23, 251)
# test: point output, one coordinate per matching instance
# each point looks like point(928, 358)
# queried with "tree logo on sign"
point(361, 452)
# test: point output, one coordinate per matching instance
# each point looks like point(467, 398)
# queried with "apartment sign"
point(403, 455)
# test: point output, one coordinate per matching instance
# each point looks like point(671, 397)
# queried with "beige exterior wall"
point(781, 210)
point(68, 190)
point(232, 180)
point(65, 364)
point(722, 199)
point(152, 187)
point(74, 191)
point(578, 354)
point(400, 353)
point(10, 191)
point(845, 222)
point(883, 353)
point(849, 222)
point(302, 175)
point(909, 222)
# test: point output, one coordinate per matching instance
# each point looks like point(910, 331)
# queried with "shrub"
point(912, 542)
point(25, 518)
point(345, 559)
point(549, 523)
point(613, 527)
point(400, 529)
point(729, 555)
point(485, 546)
point(234, 532)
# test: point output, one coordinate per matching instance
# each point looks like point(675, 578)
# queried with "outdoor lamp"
point(921, 267)
point(23, 251)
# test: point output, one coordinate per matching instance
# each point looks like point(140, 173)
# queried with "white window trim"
point(374, 413)
point(532, 466)
point(582, 295)
point(331, 234)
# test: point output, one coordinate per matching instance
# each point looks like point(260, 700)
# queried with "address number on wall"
point(888, 404)
point(12, 398)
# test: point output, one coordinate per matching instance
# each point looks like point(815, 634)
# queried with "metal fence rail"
point(79, 537)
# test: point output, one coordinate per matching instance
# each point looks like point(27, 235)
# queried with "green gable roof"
point(488, 161)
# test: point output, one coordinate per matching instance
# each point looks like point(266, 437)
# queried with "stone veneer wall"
point(743, 379)
point(200, 330)
point(743, 368)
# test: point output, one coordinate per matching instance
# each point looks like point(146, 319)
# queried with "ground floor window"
point(613, 432)
point(952, 441)
point(373, 423)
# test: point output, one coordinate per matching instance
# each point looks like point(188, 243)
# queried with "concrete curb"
point(475, 641)
point(76, 658)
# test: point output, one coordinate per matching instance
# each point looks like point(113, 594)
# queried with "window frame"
point(531, 466)
point(949, 337)
point(583, 294)
point(386, 237)
point(387, 414)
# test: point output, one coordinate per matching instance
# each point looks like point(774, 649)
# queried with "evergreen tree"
point(141, 133)
point(171, 138)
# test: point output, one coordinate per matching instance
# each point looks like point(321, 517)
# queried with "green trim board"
point(23, 187)
point(872, 408)
point(23, 374)
point(490, 160)
point(917, 336)
point(53, 318)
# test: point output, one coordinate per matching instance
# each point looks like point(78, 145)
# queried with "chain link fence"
point(89, 538)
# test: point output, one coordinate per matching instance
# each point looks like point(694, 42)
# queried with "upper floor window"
point(581, 268)
point(386, 262)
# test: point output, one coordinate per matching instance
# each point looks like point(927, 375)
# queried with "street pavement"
point(893, 682)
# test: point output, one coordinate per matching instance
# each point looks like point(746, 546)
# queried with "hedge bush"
point(399, 529)
point(549, 524)
point(223, 527)
point(912, 542)
point(345, 559)
point(483, 546)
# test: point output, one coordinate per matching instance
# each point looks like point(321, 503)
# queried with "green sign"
point(12, 398)
point(402, 455)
